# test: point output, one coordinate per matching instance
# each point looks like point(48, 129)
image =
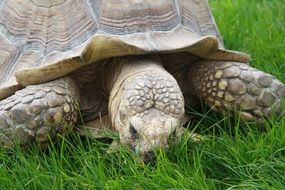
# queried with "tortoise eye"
point(133, 131)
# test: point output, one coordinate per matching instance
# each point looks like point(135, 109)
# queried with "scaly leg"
point(38, 113)
point(232, 86)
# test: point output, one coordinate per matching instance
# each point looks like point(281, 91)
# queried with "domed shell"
point(41, 40)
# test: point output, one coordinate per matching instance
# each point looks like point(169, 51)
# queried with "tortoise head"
point(147, 108)
point(148, 131)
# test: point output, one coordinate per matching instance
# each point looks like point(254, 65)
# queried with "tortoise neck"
point(129, 66)
point(125, 72)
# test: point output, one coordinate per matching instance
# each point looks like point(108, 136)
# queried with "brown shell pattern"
point(41, 40)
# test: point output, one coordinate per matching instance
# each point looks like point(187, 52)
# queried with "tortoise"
point(130, 66)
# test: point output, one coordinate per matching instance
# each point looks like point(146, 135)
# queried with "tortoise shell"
point(41, 40)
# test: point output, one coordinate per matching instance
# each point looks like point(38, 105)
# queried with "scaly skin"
point(146, 105)
point(38, 113)
point(232, 86)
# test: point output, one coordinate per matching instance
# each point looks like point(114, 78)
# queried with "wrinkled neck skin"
point(146, 105)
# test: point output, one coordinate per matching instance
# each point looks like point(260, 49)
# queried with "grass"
point(235, 155)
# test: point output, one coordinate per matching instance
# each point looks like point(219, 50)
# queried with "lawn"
point(234, 154)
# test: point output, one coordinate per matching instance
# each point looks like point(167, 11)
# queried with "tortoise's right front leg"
point(38, 113)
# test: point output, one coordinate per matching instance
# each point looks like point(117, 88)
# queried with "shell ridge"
point(94, 16)
point(177, 7)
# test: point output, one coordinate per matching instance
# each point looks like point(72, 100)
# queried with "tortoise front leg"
point(233, 86)
point(38, 113)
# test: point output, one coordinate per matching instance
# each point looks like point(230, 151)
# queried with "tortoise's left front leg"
point(233, 86)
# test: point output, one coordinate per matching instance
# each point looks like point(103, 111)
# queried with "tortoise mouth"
point(148, 157)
